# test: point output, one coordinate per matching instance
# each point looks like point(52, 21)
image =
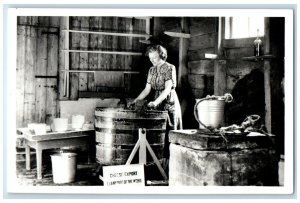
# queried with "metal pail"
point(209, 111)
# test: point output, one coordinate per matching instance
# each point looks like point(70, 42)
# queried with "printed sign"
point(127, 175)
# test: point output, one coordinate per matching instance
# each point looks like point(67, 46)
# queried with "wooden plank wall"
point(162, 24)
point(37, 55)
point(103, 82)
point(244, 78)
point(200, 70)
point(237, 68)
point(204, 33)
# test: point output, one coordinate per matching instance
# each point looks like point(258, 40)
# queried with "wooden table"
point(53, 140)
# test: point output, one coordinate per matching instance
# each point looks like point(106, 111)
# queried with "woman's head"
point(160, 50)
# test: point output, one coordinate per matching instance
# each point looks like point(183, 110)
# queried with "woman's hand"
point(131, 105)
point(152, 104)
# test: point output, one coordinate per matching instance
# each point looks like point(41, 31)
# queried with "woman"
point(162, 81)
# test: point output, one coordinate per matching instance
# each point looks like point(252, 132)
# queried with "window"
point(243, 27)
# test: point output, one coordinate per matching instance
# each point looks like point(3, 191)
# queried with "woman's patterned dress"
point(157, 78)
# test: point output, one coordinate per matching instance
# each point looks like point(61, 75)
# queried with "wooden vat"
point(117, 133)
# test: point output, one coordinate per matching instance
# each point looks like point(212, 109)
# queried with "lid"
point(65, 154)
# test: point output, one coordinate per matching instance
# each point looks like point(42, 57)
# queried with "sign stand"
point(143, 145)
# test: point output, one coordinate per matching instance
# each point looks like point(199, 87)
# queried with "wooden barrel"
point(117, 133)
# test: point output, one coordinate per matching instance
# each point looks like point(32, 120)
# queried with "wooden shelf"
point(258, 58)
point(66, 50)
point(110, 33)
point(105, 52)
point(105, 71)
point(86, 94)
point(178, 34)
point(137, 17)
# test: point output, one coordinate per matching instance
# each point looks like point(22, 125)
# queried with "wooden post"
point(73, 78)
point(267, 82)
point(142, 151)
point(27, 155)
point(66, 59)
point(183, 48)
point(220, 65)
point(148, 26)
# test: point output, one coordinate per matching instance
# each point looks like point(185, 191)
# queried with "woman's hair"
point(162, 52)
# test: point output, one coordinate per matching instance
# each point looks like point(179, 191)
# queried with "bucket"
point(117, 133)
point(60, 124)
point(209, 111)
point(77, 121)
point(64, 167)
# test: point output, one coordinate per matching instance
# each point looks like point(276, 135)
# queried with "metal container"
point(64, 167)
point(209, 111)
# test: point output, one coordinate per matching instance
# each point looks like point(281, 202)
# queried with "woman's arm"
point(164, 94)
point(144, 93)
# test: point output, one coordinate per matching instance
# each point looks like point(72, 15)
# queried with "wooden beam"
point(183, 49)
point(137, 17)
point(109, 33)
point(100, 94)
point(143, 148)
point(258, 58)
point(178, 34)
point(239, 43)
point(267, 78)
point(105, 71)
point(220, 65)
point(106, 52)
point(66, 59)
point(74, 59)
